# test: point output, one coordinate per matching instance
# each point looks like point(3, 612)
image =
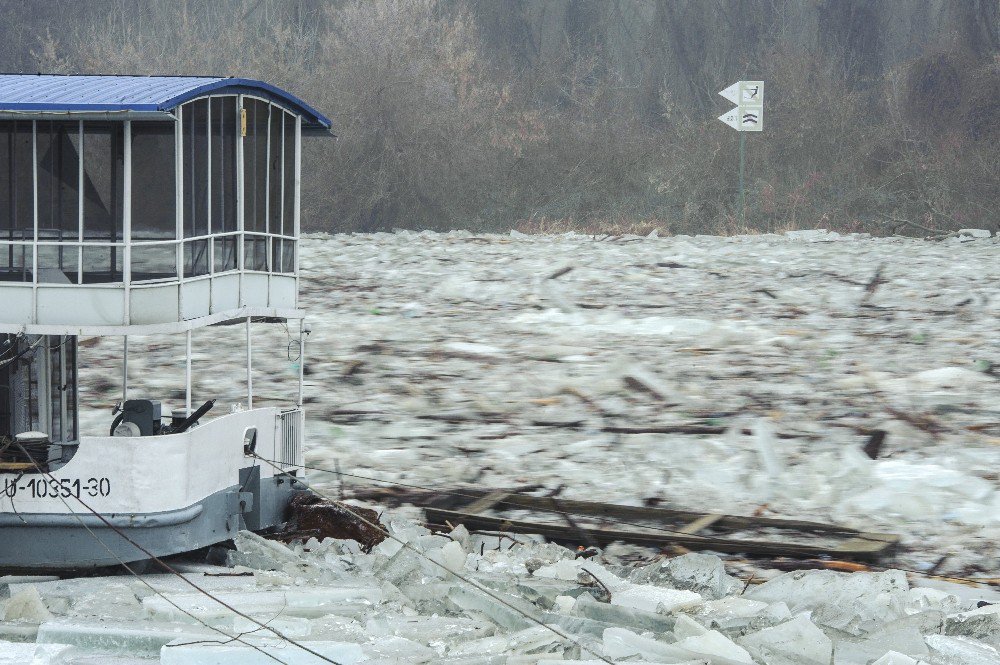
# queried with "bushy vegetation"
point(598, 115)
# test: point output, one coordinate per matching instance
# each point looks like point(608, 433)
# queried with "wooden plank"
point(485, 503)
point(857, 545)
point(607, 536)
point(701, 523)
point(868, 542)
point(667, 516)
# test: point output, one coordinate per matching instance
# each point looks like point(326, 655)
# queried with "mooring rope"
point(475, 585)
point(172, 570)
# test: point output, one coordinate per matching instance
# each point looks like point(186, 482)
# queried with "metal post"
point(79, 189)
point(179, 202)
point(125, 369)
point(249, 368)
point(187, 376)
point(302, 357)
point(34, 223)
point(127, 219)
point(240, 223)
point(297, 204)
point(743, 199)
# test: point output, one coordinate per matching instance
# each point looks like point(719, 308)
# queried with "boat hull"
point(60, 542)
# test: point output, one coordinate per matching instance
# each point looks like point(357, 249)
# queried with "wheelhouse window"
point(154, 201)
point(62, 195)
point(103, 201)
point(269, 186)
point(224, 212)
point(16, 194)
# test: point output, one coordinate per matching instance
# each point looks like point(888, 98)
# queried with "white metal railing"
point(288, 439)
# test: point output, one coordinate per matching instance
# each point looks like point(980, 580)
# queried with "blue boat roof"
point(49, 93)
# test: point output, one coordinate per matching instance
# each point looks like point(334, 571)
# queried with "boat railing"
point(288, 439)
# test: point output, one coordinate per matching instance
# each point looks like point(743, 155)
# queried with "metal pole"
point(302, 357)
point(187, 376)
point(743, 199)
point(127, 219)
point(249, 368)
point(125, 369)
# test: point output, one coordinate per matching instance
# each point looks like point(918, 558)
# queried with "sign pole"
point(747, 116)
point(743, 199)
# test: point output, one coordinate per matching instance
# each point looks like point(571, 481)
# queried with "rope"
point(173, 571)
point(381, 529)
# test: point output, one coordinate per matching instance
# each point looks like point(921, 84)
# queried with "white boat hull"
point(167, 494)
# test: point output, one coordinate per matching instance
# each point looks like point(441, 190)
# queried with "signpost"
point(747, 116)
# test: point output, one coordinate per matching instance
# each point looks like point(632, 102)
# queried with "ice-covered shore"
point(446, 360)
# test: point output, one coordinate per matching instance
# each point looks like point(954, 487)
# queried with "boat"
point(143, 206)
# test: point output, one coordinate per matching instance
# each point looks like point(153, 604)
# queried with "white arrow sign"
point(748, 116)
point(745, 93)
point(731, 117)
point(732, 93)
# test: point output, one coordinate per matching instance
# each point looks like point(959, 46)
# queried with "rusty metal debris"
point(603, 523)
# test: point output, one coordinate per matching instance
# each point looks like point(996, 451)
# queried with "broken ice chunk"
point(906, 640)
point(962, 650)
point(399, 650)
point(137, 638)
point(981, 624)
point(7, 580)
point(923, 598)
point(702, 573)
point(430, 630)
point(503, 615)
point(563, 604)
point(402, 568)
point(731, 611)
point(562, 661)
point(795, 642)
point(575, 625)
point(332, 628)
point(623, 616)
point(460, 535)
point(302, 602)
point(451, 556)
point(41, 654)
point(17, 631)
point(181, 653)
point(642, 596)
point(686, 627)
point(113, 601)
point(26, 605)
point(855, 603)
point(564, 569)
point(293, 627)
point(720, 650)
point(537, 639)
point(896, 658)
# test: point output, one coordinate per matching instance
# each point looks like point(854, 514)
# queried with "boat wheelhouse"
point(142, 206)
